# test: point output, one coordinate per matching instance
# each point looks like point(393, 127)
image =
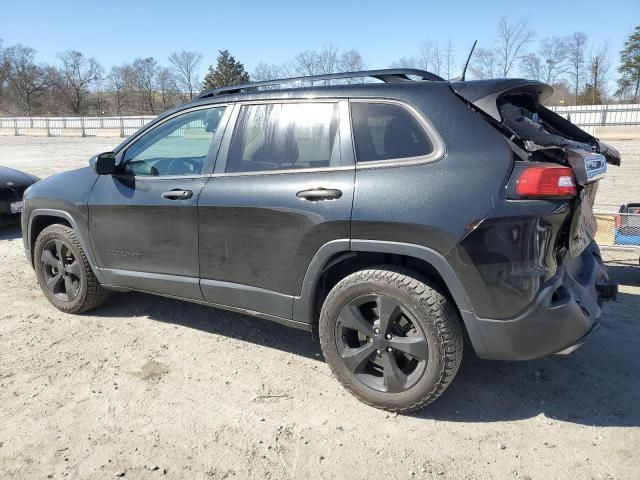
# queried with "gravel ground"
point(147, 387)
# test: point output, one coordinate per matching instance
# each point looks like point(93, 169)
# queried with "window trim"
point(347, 159)
point(439, 149)
point(211, 159)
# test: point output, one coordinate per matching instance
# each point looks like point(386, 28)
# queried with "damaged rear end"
point(533, 266)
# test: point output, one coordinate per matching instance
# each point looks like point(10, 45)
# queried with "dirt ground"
point(147, 387)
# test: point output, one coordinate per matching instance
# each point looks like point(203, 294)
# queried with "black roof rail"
point(389, 75)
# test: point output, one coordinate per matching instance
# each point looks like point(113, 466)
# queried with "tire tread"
point(95, 294)
point(443, 318)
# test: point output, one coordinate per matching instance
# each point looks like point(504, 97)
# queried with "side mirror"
point(104, 163)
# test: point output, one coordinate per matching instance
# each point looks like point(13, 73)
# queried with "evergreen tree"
point(590, 95)
point(228, 71)
point(630, 65)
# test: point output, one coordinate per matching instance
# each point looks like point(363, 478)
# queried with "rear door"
point(282, 187)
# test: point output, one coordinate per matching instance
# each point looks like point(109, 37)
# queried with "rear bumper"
point(564, 313)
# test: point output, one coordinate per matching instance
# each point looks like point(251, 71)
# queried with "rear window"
point(385, 131)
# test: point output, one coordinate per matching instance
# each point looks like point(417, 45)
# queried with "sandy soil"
point(147, 387)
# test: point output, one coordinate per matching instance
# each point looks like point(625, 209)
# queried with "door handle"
point(177, 194)
point(316, 194)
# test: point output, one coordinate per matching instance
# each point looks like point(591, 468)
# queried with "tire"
point(64, 273)
point(423, 332)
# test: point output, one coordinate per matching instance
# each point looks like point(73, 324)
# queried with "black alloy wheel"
point(60, 270)
point(391, 337)
point(63, 271)
point(381, 344)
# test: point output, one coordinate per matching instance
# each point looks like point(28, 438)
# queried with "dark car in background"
point(396, 218)
point(13, 183)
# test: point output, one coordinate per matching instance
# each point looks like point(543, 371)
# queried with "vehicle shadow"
point(597, 386)
point(625, 274)
point(10, 232)
point(212, 320)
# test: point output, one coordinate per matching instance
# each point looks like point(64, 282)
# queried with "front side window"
point(385, 131)
point(177, 147)
point(283, 136)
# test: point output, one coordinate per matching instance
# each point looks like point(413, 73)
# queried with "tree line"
point(77, 84)
point(580, 72)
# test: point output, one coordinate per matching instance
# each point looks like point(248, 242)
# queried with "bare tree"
point(553, 55)
point(328, 60)
point(168, 86)
point(100, 95)
point(4, 68)
point(119, 81)
point(426, 55)
point(186, 64)
point(405, 62)
point(484, 64)
point(26, 79)
point(311, 62)
point(512, 40)
point(576, 46)
point(306, 63)
point(351, 61)
point(431, 57)
point(531, 65)
point(145, 72)
point(450, 58)
point(74, 77)
point(266, 71)
point(599, 65)
point(436, 59)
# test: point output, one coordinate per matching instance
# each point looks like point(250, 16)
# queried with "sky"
point(115, 31)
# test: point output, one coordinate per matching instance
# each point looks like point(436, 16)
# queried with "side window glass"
point(284, 136)
point(385, 131)
point(177, 147)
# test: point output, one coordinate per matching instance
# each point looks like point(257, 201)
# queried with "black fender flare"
point(50, 212)
point(303, 305)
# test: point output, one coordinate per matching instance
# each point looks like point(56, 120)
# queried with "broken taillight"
point(546, 181)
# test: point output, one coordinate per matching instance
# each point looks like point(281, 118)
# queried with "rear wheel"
point(64, 273)
point(391, 339)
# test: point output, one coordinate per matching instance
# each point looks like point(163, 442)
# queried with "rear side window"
point(385, 131)
point(284, 136)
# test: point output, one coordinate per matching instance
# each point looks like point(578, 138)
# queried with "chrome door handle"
point(316, 194)
point(177, 194)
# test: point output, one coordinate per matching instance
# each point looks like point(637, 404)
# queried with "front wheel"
point(64, 273)
point(390, 338)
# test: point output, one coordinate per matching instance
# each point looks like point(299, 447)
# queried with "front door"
point(143, 221)
point(282, 188)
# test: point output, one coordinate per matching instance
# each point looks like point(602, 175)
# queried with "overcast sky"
point(274, 31)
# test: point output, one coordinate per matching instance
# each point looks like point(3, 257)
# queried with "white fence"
point(84, 126)
point(587, 117)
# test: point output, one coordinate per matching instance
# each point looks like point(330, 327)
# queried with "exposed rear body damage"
point(534, 270)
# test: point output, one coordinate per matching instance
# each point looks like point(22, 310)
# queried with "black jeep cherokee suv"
point(397, 217)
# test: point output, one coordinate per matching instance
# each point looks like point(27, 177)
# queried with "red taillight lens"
point(546, 181)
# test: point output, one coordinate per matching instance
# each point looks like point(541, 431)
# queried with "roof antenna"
point(464, 70)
